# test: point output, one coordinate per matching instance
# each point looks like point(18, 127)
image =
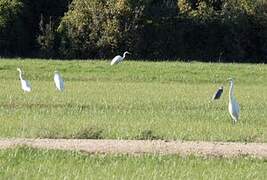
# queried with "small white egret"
point(25, 85)
point(233, 106)
point(58, 81)
point(118, 59)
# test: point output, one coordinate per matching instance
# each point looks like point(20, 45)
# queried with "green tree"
point(96, 28)
point(14, 37)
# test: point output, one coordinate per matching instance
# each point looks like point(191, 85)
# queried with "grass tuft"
point(88, 133)
point(148, 135)
point(50, 134)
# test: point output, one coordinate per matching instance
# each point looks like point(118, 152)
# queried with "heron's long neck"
point(20, 75)
point(231, 91)
point(124, 55)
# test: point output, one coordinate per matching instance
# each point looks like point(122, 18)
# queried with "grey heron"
point(233, 106)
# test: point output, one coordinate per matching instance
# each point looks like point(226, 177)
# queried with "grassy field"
point(25, 163)
point(135, 100)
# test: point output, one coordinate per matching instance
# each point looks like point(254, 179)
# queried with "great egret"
point(118, 59)
point(58, 81)
point(218, 93)
point(25, 85)
point(233, 106)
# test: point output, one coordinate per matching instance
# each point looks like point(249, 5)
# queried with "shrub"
point(97, 28)
point(148, 135)
point(14, 35)
point(19, 24)
point(47, 39)
point(88, 133)
point(231, 28)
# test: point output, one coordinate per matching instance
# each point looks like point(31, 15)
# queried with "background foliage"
point(212, 30)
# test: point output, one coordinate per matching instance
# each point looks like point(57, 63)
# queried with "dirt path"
point(225, 149)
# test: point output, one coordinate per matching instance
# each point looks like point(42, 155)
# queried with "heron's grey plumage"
point(233, 106)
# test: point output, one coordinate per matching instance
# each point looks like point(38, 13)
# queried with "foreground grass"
point(26, 163)
point(169, 100)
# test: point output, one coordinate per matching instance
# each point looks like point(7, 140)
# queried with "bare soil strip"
point(224, 149)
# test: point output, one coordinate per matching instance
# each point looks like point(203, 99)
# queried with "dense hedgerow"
point(213, 30)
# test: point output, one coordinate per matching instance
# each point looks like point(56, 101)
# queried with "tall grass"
point(26, 163)
point(171, 100)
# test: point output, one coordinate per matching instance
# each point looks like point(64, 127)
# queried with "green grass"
point(26, 163)
point(170, 100)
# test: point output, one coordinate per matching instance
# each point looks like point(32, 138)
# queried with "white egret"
point(118, 59)
point(233, 106)
point(58, 81)
point(25, 85)
point(218, 93)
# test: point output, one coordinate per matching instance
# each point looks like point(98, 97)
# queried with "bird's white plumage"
point(58, 81)
point(118, 59)
point(25, 85)
point(233, 106)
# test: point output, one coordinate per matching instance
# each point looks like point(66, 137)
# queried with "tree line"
point(206, 30)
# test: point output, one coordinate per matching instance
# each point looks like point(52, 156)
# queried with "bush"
point(19, 24)
point(148, 135)
point(97, 28)
point(211, 30)
point(14, 37)
point(47, 39)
